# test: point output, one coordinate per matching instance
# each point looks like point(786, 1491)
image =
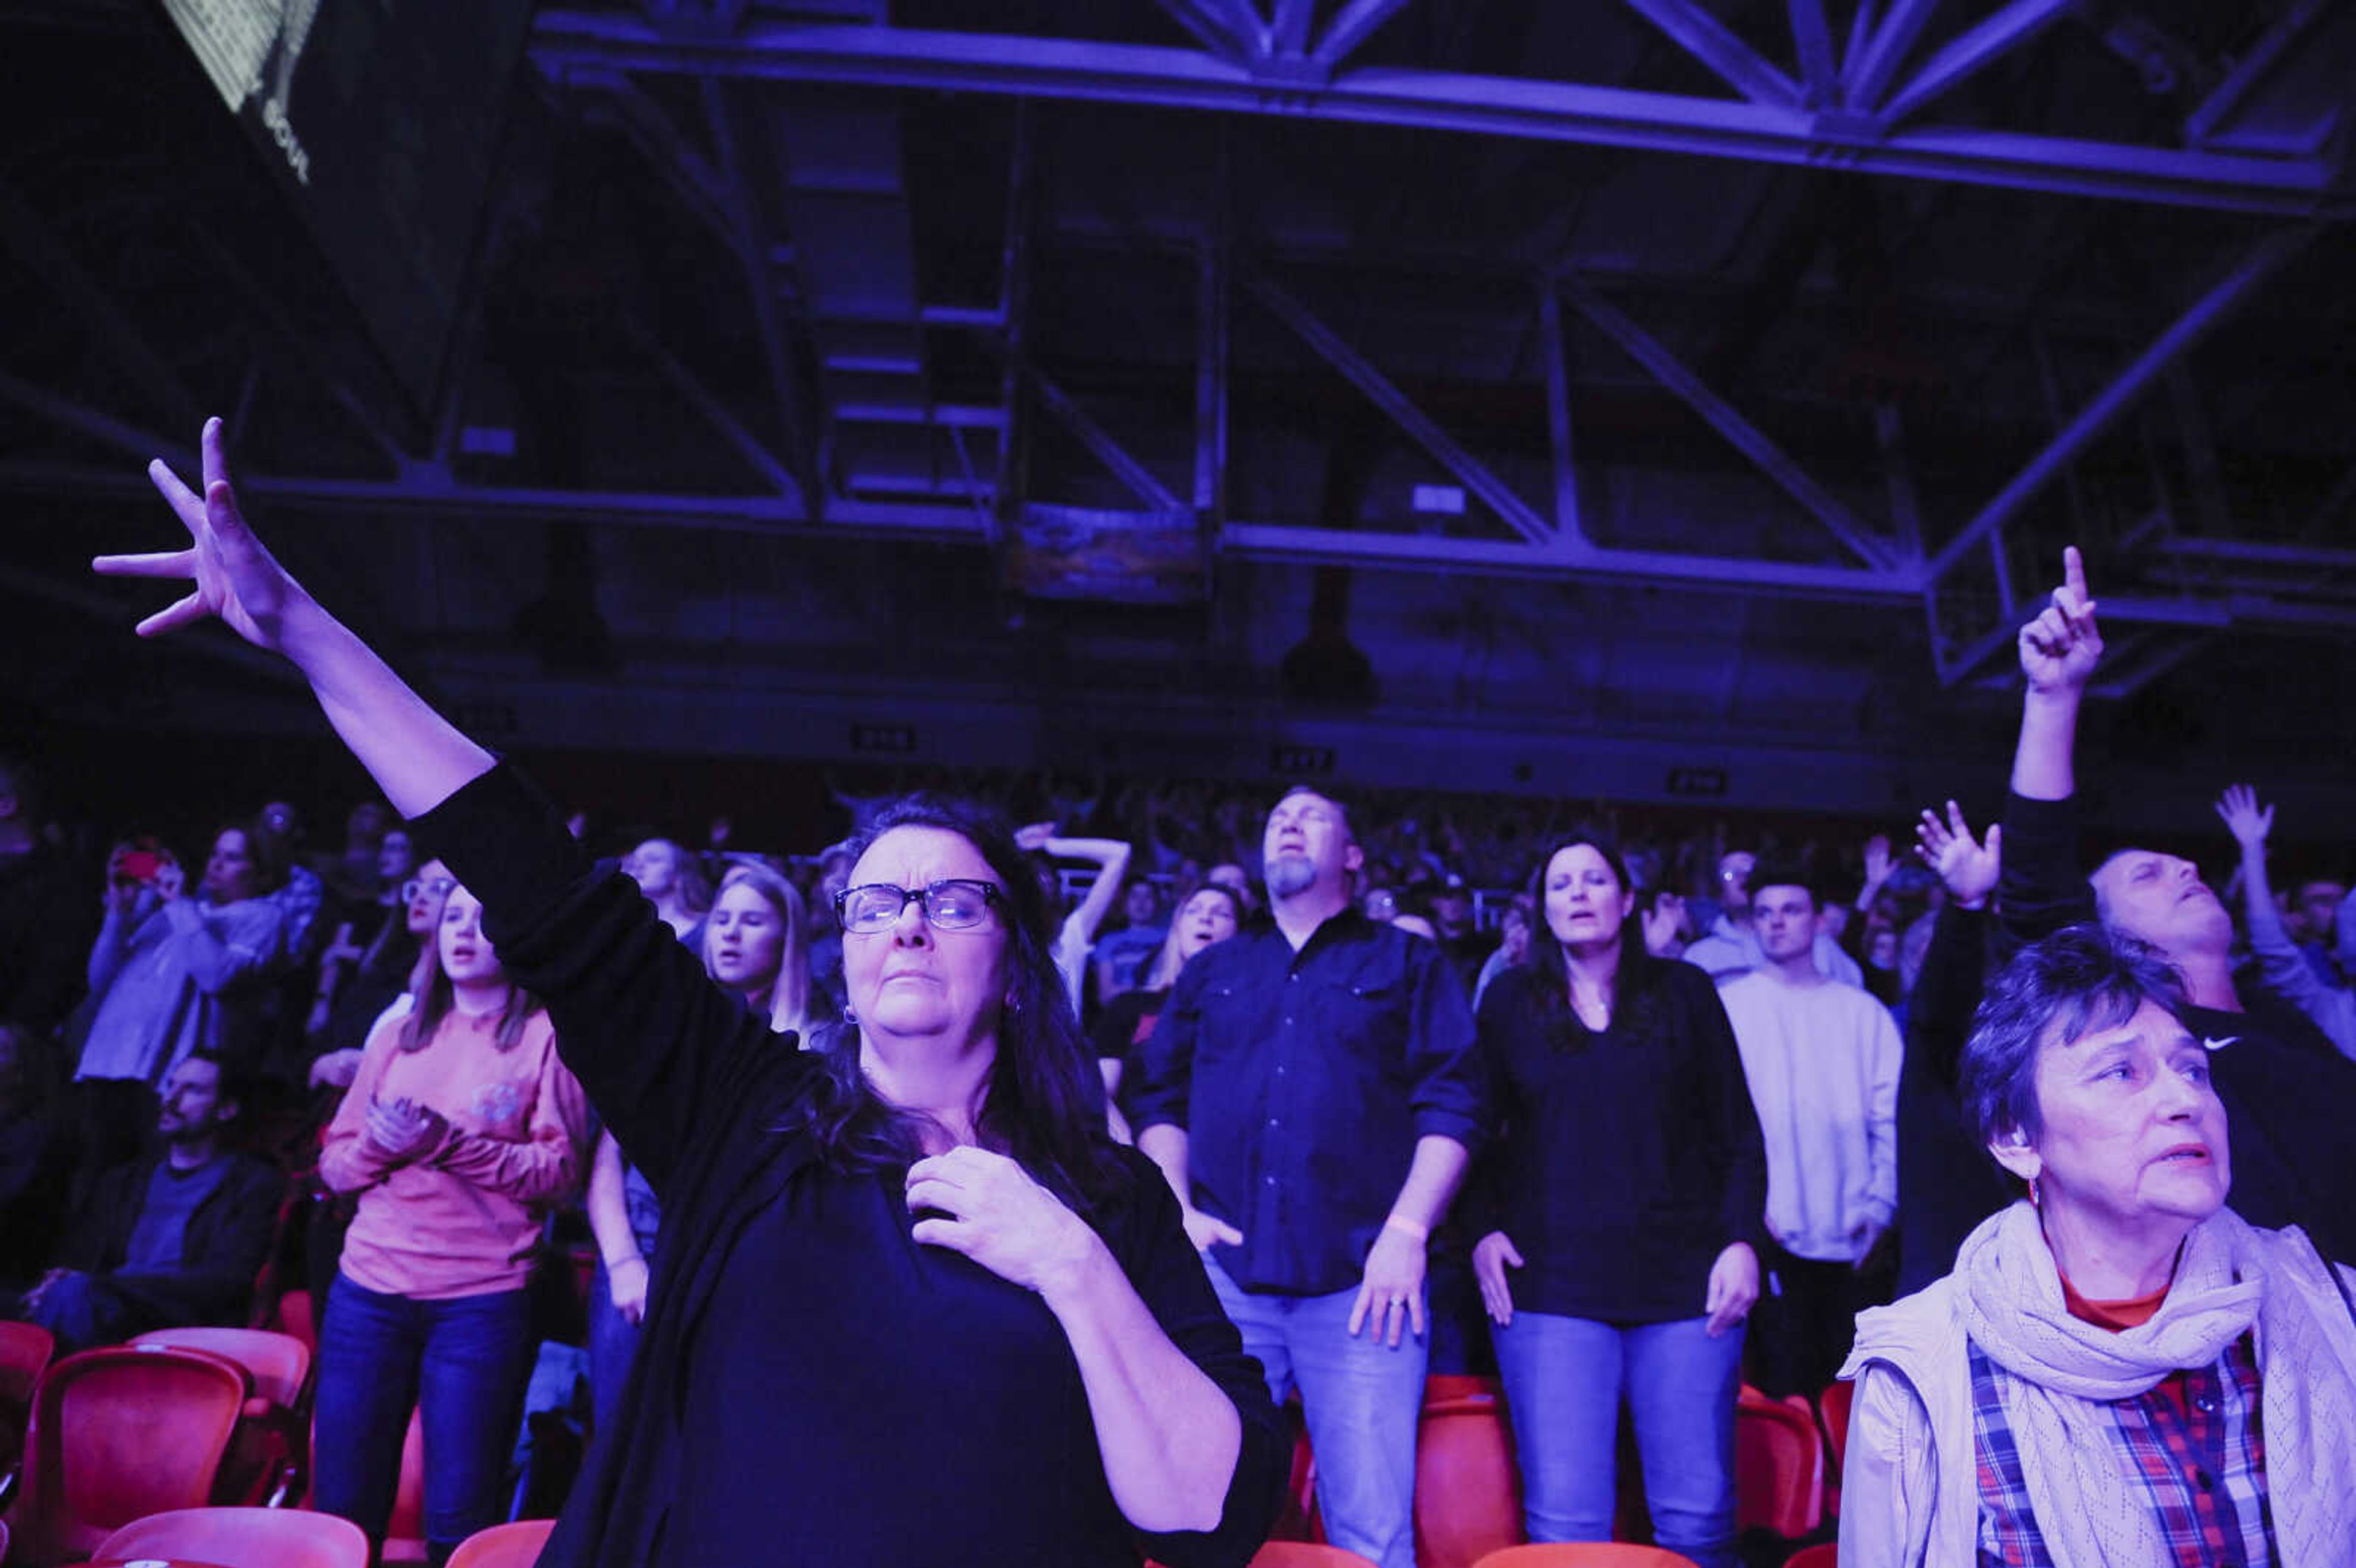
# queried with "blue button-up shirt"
point(1302, 1080)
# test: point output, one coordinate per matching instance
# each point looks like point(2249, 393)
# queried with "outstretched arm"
point(1111, 858)
point(2058, 651)
point(2285, 968)
point(418, 758)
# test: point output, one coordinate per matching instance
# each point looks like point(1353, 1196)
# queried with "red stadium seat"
point(245, 1537)
point(120, 1433)
point(1779, 1466)
point(24, 1353)
point(268, 1443)
point(513, 1545)
point(296, 1317)
point(404, 1532)
point(1584, 1554)
point(1306, 1554)
point(1468, 1500)
point(1832, 1407)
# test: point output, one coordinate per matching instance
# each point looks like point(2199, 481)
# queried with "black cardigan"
point(221, 1252)
point(694, 1087)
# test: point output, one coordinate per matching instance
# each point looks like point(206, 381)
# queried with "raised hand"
point(1663, 917)
point(1035, 836)
point(1968, 867)
point(2245, 819)
point(2060, 649)
point(232, 577)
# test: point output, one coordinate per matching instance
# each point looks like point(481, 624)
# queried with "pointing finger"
point(2073, 573)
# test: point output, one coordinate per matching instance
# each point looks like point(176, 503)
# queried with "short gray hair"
point(2080, 979)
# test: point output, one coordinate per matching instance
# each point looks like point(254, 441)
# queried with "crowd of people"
point(888, 1146)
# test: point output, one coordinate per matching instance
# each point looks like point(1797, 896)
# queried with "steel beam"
point(1211, 311)
point(1290, 33)
point(1722, 416)
point(1812, 39)
point(1101, 445)
point(1552, 343)
point(66, 413)
point(1868, 71)
point(783, 515)
point(1213, 24)
point(715, 413)
point(2317, 559)
point(1474, 475)
point(2256, 65)
point(761, 286)
point(1898, 474)
point(1706, 40)
point(1559, 559)
point(2012, 27)
point(1501, 106)
point(1352, 25)
point(2262, 262)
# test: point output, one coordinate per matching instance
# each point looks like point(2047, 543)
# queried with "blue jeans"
point(1362, 1400)
point(463, 1362)
point(83, 1312)
point(1564, 1379)
point(613, 1346)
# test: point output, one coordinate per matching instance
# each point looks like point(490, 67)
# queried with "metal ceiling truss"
point(1777, 121)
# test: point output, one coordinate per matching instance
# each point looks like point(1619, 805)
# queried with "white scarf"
point(2230, 1279)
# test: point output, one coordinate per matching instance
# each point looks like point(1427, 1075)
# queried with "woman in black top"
point(912, 1303)
point(1628, 1186)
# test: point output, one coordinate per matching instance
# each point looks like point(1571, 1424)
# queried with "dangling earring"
point(847, 1016)
point(1013, 1005)
point(2036, 1200)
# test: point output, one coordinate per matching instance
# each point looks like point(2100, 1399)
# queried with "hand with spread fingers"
point(2248, 822)
point(986, 1206)
point(1968, 866)
point(232, 577)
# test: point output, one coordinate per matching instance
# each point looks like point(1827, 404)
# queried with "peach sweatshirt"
point(461, 1218)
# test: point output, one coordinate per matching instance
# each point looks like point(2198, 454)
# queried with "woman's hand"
point(1492, 1255)
point(1734, 1287)
point(988, 1208)
point(232, 577)
point(2249, 825)
point(335, 1069)
point(403, 1128)
point(1968, 867)
point(625, 1283)
point(1206, 1230)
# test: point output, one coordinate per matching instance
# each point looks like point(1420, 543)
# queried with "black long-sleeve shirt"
point(1302, 1080)
point(767, 1468)
point(1624, 1161)
point(2289, 1095)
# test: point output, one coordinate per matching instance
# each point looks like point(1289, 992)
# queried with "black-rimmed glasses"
point(956, 903)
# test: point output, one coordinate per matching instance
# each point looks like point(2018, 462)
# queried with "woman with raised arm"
point(1628, 1190)
point(911, 1301)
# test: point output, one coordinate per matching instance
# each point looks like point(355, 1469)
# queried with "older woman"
point(1629, 1189)
point(756, 944)
point(911, 1300)
point(2120, 1371)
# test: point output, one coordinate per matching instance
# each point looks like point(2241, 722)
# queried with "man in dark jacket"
point(175, 1238)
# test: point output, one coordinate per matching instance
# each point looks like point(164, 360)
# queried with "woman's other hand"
point(402, 1128)
point(987, 1207)
point(1733, 1288)
point(625, 1283)
point(1492, 1255)
point(232, 576)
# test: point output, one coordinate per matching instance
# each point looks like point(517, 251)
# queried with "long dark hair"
point(1548, 992)
point(1037, 1108)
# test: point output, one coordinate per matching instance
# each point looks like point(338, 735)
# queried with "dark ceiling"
point(1636, 379)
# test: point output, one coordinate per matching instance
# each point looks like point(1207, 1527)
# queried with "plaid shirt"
point(2202, 1464)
